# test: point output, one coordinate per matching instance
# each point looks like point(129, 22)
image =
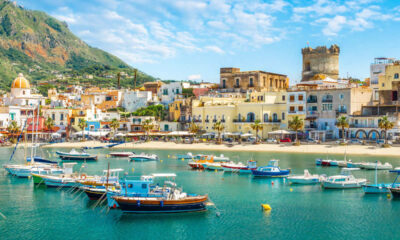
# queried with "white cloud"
point(194, 77)
point(334, 25)
point(214, 49)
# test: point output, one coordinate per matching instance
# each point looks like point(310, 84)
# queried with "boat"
point(376, 166)
point(121, 154)
point(240, 167)
point(199, 164)
point(344, 180)
point(395, 188)
point(96, 188)
point(220, 158)
point(271, 170)
point(73, 153)
point(37, 175)
point(307, 178)
point(188, 156)
point(378, 187)
point(78, 158)
point(142, 196)
point(68, 179)
point(106, 146)
point(213, 166)
point(143, 157)
point(354, 165)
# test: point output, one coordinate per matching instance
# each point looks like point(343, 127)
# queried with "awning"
point(76, 128)
point(282, 132)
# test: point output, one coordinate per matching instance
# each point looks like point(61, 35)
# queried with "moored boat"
point(188, 156)
point(344, 180)
point(376, 166)
point(271, 170)
point(121, 154)
point(306, 178)
point(73, 152)
point(142, 196)
point(143, 157)
point(240, 167)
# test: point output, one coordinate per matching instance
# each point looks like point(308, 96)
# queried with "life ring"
point(83, 176)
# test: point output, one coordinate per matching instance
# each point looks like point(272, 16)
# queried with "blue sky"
point(188, 39)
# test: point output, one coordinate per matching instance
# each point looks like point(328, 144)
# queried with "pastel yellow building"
point(238, 114)
point(389, 85)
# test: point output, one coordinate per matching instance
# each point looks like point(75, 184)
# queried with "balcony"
point(223, 120)
point(242, 121)
point(362, 126)
point(312, 100)
point(196, 120)
point(214, 120)
point(273, 121)
point(312, 113)
point(327, 100)
point(207, 121)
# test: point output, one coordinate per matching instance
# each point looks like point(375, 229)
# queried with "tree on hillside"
point(147, 127)
point(114, 125)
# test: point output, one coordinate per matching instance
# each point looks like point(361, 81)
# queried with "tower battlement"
point(320, 61)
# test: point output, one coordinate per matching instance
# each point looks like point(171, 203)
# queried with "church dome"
point(20, 82)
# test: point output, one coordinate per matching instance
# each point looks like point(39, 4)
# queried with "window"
point(177, 91)
point(23, 92)
point(270, 82)
point(53, 116)
point(292, 109)
point(291, 98)
point(283, 97)
point(237, 82)
point(223, 83)
point(251, 82)
point(301, 108)
point(396, 76)
point(165, 92)
point(251, 117)
point(283, 116)
point(394, 96)
point(383, 84)
point(276, 83)
point(275, 117)
point(341, 96)
point(265, 81)
point(327, 107)
point(301, 97)
point(327, 98)
point(266, 118)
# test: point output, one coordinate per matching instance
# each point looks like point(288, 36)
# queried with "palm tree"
point(194, 128)
point(13, 128)
point(385, 125)
point(49, 123)
point(219, 127)
point(296, 124)
point(114, 125)
point(147, 127)
point(342, 123)
point(257, 126)
point(82, 124)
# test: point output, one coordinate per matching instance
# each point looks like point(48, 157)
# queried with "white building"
point(168, 92)
point(296, 103)
point(133, 100)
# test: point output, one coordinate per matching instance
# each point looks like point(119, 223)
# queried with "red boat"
point(121, 154)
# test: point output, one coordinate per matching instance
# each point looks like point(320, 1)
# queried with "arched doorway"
point(251, 117)
point(373, 135)
point(361, 134)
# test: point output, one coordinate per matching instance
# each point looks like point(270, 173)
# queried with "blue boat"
point(38, 159)
point(271, 170)
point(380, 187)
point(143, 196)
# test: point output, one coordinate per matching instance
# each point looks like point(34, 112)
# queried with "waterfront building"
point(152, 86)
point(232, 79)
point(135, 123)
point(377, 68)
point(166, 126)
point(320, 60)
point(60, 116)
point(389, 85)
point(180, 110)
point(238, 114)
point(296, 104)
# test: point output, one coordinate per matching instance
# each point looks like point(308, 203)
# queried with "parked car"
point(285, 140)
point(271, 140)
point(342, 141)
point(382, 141)
point(310, 140)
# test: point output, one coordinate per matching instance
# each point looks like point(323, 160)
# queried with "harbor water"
point(298, 212)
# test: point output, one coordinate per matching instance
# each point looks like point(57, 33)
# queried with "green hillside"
point(43, 48)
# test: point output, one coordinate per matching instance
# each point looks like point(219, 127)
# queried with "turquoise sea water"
point(306, 212)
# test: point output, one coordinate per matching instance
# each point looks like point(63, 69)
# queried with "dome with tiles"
point(20, 82)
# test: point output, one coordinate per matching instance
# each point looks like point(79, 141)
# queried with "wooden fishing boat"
point(143, 196)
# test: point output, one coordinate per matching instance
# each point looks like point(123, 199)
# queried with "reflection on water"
point(298, 212)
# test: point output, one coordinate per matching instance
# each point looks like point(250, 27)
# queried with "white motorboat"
point(344, 180)
point(143, 157)
point(215, 166)
point(307, 178)
point(220, 158)
point(240, 167)
point(376, 166)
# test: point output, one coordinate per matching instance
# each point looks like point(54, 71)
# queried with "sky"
point(192, 40)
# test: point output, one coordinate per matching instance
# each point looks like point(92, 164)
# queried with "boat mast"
point(37, 127)
point(32, 131)
point(376, 172)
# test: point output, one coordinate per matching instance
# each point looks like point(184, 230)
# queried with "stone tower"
point(320, 60)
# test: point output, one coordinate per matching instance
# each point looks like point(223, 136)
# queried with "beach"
point(277, 148)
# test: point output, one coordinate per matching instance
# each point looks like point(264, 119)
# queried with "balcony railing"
point(312, 100)
point(273, 121)
point(327, 100)
point(207, 120)
point(243, 121)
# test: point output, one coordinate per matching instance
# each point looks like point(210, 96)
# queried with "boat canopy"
point(163, 175)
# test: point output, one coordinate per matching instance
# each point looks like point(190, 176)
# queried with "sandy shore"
point(317, 149)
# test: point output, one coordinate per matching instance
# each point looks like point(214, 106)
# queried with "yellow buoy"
point(133, 169)
point(113, 188)
point(388, 195)
point(29, 177)
point(168, 156)
point(291, 189)
point(183, 159)
point(266, 207)
point(215, 170)
point(161, 160)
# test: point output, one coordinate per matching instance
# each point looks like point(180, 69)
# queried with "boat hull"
point(330, 185)
point(95, 194)
point(132, 205)
point(377, 188)
point(395, 192)
point(304, 181)
point(282, 173)
point(121, 154)
point(142, 159)
point(78, 158)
